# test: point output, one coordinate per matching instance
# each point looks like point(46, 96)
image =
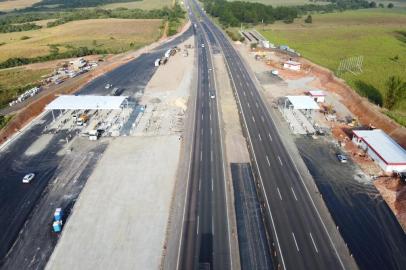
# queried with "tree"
point(390, 5)
point(372, 4)
point(395, 91)
point(309, 19)
point(381, 5)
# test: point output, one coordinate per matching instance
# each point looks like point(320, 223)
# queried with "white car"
point(28, 177)
point(202, 45)
point(212, 96)
point(108, 86)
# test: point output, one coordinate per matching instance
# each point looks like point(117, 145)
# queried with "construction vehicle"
point(94, 135)
point(82, 120)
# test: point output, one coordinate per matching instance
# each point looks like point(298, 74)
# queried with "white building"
point(292, 65)
point(389, 155)
point(318, 95)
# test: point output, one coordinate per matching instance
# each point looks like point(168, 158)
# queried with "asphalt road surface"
point(298, 230)
point(205, 238)
point(18, 200)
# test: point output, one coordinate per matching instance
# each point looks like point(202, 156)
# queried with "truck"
point(57, 223)
point(168, 53)
point(94, 135)
point(82, 120)
point(115, 92)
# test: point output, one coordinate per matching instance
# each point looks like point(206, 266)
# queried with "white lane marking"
point(240, 84)
point(201, 131)
point(244, 93)
point(248, 105)
point(201, 155)
point(197, 229)
point(211, 131)
point(210, 116)
point(280, 196)
point(294, 238)
point(202, 116)
point(267, 159)
point(294, 194)
point(314, 244)
point(270, 137)
point(212, 184)
point(211, 155)
point(256, 104)
point(253, 119)
point(200, 183)
point(259, 136)
point(260, 176)
point(251, 93)
point(280, 160)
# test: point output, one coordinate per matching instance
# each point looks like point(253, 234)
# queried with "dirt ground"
point(366, 112)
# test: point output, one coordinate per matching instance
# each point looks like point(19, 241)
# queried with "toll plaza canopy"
point(302, 103)
point(87, 103)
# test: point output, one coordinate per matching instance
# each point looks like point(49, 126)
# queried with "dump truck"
point(82, 120)
point(57, 223)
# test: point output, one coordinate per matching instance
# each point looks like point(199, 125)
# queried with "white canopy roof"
point(303, 103)
point(86, 103)
point(383, 145)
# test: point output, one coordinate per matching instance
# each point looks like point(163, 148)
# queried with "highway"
point(18, 200)
point(204, 242)
point(298, 231)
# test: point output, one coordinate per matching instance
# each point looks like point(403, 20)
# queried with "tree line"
point(17, 22)
point(236, 12)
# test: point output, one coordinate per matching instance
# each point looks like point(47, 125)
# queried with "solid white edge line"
point(224, 170)
point(294, 194)
point(259, 172)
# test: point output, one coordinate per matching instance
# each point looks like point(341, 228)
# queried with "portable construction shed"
point(318, 95)
point(389, 155)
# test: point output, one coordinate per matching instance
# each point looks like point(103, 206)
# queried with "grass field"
point(283, 2)
point(112, 34)
point(9, 5)
point(369, 33)
point(144, 4)
point(13, 81)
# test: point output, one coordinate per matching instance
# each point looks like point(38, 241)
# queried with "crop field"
point(13, 81)
point(115, 35)
point(378, 36)
point(9, 5)
point(143, 4)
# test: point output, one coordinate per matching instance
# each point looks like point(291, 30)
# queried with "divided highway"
point(204, 242)
point(300, 236)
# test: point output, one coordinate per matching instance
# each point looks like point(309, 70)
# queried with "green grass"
point(369, 33)
point(283, 2)
point(15, 81)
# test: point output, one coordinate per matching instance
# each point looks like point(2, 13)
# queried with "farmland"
point(9, 5)
point(377, 35)
point(144, 4)
point(114, 35)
